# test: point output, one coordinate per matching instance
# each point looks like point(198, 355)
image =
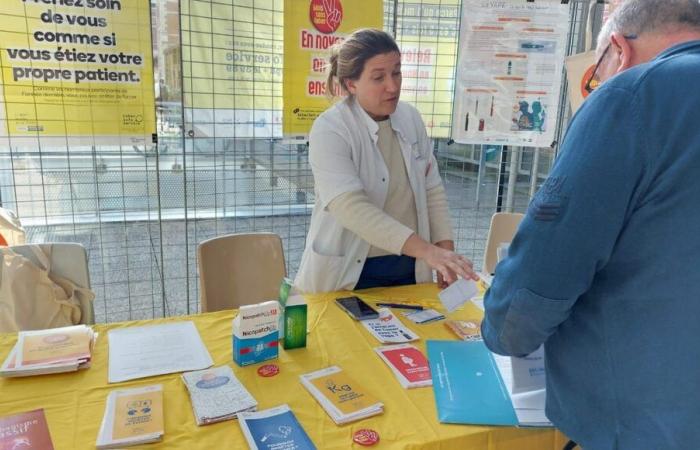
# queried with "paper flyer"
point(458, 293)
point(388, 328)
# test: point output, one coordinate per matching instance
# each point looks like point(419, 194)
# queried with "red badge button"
point(365, 437)
point(268, 370)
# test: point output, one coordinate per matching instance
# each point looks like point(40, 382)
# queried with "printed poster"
point(76, 72)
point(311, 27)
point(509, 72)
point(427, 37)
point(232, 68)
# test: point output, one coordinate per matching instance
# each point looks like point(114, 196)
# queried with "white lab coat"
point(344, 157)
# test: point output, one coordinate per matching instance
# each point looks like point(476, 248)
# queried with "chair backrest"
point(502, 229)
point(68, 260)
point(239, 269)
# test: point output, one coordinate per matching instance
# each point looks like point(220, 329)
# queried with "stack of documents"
point(132, 417)
point(407, 363)
point(139, 352)
point(274, 429)
point(342, 398)
point(217, 395)
point(525, 380)
point(54, 350)
point(474, 386)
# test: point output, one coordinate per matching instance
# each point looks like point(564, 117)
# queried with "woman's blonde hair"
point(348, 57)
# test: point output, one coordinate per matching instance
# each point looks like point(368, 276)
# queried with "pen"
point(401, 306)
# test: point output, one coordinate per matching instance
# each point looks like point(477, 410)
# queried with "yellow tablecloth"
point(74, 402)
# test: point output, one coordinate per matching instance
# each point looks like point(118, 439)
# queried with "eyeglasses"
point(588, 86)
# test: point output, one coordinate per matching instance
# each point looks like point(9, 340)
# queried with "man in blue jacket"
point(604, 267)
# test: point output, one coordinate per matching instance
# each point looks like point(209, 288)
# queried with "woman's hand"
point(440, 257)
point(447, 245)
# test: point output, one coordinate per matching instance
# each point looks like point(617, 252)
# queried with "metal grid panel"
point(141, 211)
point(238, 175)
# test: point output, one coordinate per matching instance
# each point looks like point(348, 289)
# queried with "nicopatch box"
point(255, 333)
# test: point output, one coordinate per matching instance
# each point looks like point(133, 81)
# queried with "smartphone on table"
point(357, 308)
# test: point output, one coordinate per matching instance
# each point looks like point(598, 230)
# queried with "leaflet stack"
point(217, 395)
point(54, 350)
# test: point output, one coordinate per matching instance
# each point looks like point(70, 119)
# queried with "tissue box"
point(255, 333)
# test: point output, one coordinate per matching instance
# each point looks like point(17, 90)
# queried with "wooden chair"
point(239, 269)
point(502, 229)
point(68, 260)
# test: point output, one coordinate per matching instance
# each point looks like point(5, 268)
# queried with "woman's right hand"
point(445, 262)
point(449, 264)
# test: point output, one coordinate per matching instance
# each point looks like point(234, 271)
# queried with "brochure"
point(274, 429)
point(467, 330)
point(388, 329)
point(25, 431)
point(217, 395)
point(407, 363)
point(471, 386)
point(342, 397)
point(132, 417)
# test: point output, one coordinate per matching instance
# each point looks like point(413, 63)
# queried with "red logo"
point(326, 15)
point(584, 79)
point(268, 370)
point(56, 338)
point(365, 437)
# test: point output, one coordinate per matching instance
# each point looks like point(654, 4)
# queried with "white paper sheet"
point(139, 352)
point(529, 405)
point(458, 293)
point(528, 372)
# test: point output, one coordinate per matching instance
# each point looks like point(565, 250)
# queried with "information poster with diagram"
point(509, 72)
point(76, 72)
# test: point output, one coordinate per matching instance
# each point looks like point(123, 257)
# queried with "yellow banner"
point(311, 27)
point(232, 68)
point(427, 36)
point(77, 69)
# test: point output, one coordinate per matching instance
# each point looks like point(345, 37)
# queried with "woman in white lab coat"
point(380, 215)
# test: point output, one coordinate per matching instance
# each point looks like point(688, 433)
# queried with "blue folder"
point(467, 384)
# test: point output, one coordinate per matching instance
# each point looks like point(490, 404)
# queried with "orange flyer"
point(467, 330)
point(138, 414)
point(55, 346)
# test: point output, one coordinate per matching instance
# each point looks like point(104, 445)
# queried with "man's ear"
point(623, 52)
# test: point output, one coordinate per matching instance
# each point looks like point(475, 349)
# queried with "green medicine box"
point(294, 316)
